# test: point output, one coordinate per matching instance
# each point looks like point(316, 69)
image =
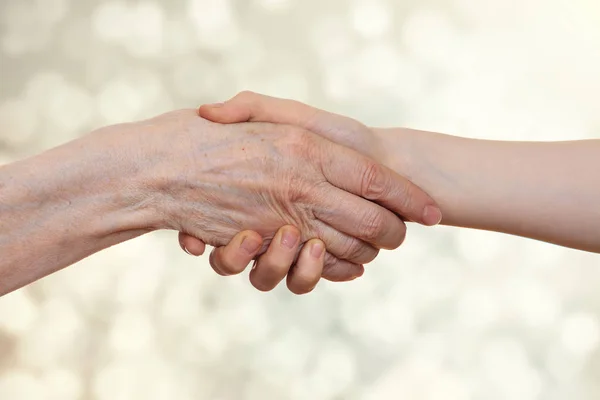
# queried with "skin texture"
point(543, 191)
point(210, 181)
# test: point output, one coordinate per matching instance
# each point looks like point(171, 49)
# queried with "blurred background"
point(452, 315)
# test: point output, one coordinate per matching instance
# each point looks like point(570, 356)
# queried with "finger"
point(304, 276)
point(233, 258)
point(336, 270)
point(254, 107)
point(345, 247)
point(274, 264)
point(191, 245)
point(358, 174)
point(360, 219)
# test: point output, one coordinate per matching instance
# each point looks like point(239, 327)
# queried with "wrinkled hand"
point(249, 106)
point(217, 180)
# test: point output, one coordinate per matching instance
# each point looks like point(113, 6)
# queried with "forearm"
point(545, 191)
point(66, 204)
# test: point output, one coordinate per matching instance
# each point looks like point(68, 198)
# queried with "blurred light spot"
point(289, 84)
point(334, 371)
point(138, 284)
point(478, 308)
point(61, 384)
point(195, 78)
point(562, 365)
point(505, 360)
point(214, 23)
point(537, 306)
point(70, 109)
point(274, 5)
point(380, 67)
point(57, 334)
point(110, 20)
point(132, 333)
point(479, 248)
point(139, 27)
point(371, 18)
point(18, 312)
point(581, 333)
point(126, 97)
point(181, 304)
point(29, 25)
point(388, 322)
point(146, 35)
point(179, 38)
point(338, 81)
point(148, 378)
point(332, 38)
point(41, 87)
point(288, 353)
point(18, 122)
point(429, 34)
point(20, 385)
point(245, 57)
point(208, 339)
point(119, 102)
point(419, 378)
point(51, 11)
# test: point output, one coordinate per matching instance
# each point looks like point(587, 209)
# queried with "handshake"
point(305, 193)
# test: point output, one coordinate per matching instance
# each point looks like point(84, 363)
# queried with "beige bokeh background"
point(453, 315)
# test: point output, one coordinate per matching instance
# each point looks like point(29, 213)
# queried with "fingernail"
point(250, 244)
point(432, 216)
point(289, 239)
point(317, 250)
point(186, 250)
point(216, 105)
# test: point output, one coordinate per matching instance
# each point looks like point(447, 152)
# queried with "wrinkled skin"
point(252, 107)
point(260, 177)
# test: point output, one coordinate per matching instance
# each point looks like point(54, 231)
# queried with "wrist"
point(398, 147)
point(95, 184)
point(423, 158)
point(69, 202)
point(119, 174)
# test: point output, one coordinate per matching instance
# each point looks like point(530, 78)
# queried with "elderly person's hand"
point(259, 177)
point(211, 181)
point(251, 107)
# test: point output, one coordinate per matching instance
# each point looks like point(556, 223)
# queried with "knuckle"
point(400, 238)
point(296, 141)
point(373, 226)
point(227, 261)
point(264, 281)
point(358, 252)
point(302, 283)
point(228, 266)
point(260, 285)
point(245, 95)
point(372, 185)
point(405, 196)
point(215, 262)
point(336, 270)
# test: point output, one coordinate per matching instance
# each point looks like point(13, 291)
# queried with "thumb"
point(254, 107)
point(191, 245)
point(225, 113)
